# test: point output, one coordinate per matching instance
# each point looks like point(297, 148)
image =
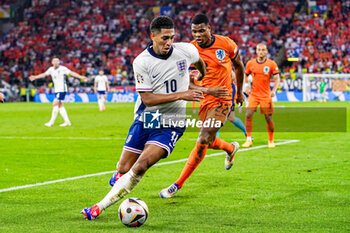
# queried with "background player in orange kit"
point(218, 53)
point(261, 69)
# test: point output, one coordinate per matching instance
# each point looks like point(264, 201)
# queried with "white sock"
point(120, 189)
point(99, 103)
point(64, 114)
point(249, 138)
point(54, 114)
point(103, 101)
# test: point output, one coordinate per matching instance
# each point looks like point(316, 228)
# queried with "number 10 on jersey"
point(170, 86)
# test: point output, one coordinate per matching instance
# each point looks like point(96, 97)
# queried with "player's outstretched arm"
point(150, 99)
point(239, 71)
point(76, 75)
point(277, 83)
point(35, 77)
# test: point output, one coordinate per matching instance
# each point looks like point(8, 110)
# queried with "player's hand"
point(1, 97)
point(240, 98)
point(85, 79)
point(219, 92)
point(32, 78)
point(192, 95)
point(196, 75)
point(272, 94)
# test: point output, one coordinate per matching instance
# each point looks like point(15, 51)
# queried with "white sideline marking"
point(108, 172)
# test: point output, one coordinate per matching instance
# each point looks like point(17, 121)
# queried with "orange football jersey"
point(217, 57)
point(261, 73)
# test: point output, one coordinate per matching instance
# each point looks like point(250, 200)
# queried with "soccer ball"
point(133, 212)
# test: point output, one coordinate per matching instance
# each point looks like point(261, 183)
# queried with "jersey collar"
point(164, 57)
point(213, 41)
point(261, 62)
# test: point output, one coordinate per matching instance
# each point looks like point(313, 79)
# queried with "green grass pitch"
point(296, 187)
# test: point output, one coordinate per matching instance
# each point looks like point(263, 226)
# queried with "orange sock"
point(249, 126)
point(219, 144)
point(270, 130)
point(195, 158)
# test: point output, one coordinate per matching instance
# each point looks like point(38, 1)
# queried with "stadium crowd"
point(322, 38)
point(90, 34)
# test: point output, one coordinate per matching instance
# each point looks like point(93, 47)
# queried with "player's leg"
point(236, 121)
point(207, 139)
point(149, 156)
point(266, 108)
point(270, 130)
point(55, 110)
point(126, 161)
point(64, 115)
point(104, 98)
point(251, 108)
point(134, 144)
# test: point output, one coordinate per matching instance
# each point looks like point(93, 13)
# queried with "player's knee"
point(123, 167)
point(140, 167)
point(268, 118)
point(206, 139)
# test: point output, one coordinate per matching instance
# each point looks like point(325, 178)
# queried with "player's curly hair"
point(161, 22)
point(200, 18)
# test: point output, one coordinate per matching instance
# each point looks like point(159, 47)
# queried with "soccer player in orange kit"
point(219, 54)
point(261, 69)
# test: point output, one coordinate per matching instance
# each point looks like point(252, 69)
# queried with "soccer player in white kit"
point(58, 73)
point(101, 87)
point(162, 81)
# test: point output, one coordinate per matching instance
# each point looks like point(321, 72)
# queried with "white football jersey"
point(101, 81)
point(58, 77)
point(164, 75)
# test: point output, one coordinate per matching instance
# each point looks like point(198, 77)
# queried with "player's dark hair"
point(161, 22)
point(200, 18)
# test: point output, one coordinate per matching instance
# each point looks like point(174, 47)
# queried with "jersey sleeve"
point(193, 53)
point(106, 79)
point(48, 72)
point(233, 48)
point(274, 68)
point(66, 71)
point(247, 68)
point(142, 78)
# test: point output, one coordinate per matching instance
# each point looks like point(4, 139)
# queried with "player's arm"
point(35, 77)
point(151, 99)
point(76, 75)
point(246, 87)
point(200, 66)
point(2, 97)
point(277, 78)
point(107, 87)
point(239, 72)
point(95, 86)
point(219, 92)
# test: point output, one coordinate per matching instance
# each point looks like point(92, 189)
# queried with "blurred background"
point(87, 35)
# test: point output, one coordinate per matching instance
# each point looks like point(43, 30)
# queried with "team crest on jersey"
point(181, 65)
point(266, 69)
point(220, 54)
point(139, 78)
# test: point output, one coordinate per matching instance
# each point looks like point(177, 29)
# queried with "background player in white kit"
point(58, 74)
point(101, 87)
point(162, 80)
